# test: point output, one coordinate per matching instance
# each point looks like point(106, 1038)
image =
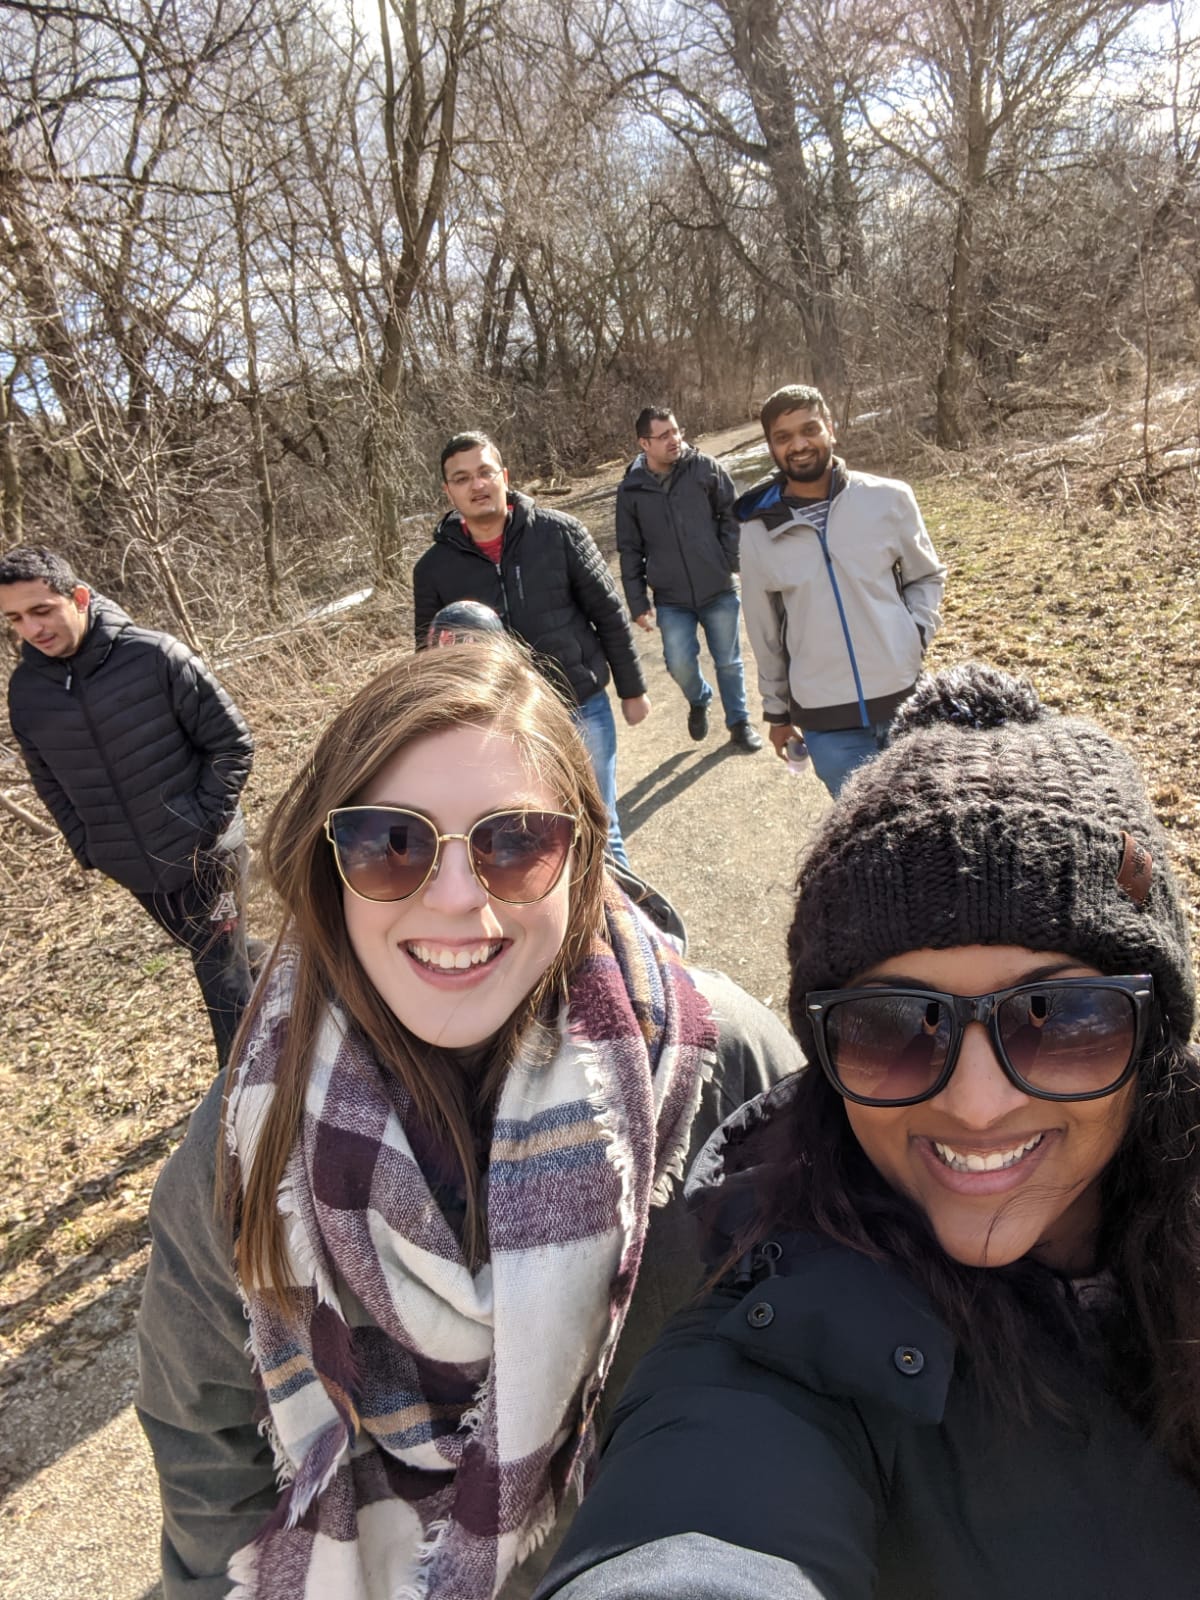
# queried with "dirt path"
point(717, 830)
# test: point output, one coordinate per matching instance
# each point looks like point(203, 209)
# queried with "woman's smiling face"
point(1045, 1200)
point(408, 948)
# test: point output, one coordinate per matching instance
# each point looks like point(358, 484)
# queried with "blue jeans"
point(681, 652)
point(836, 752)
point(594, 719)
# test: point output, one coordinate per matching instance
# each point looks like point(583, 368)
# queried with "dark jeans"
point(205, 916)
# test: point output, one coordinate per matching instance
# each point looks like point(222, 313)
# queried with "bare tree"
point(977, 82)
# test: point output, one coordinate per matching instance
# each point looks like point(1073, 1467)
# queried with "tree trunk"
point(952, 376)
point(10, 471)
point(761, 57)
point(262, 467)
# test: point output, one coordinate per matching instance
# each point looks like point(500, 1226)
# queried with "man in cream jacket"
point(841, 590)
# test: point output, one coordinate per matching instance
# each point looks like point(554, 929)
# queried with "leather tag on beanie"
point(1135, 871)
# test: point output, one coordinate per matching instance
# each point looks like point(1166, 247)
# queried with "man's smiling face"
point(801, 444)
point(52, 623)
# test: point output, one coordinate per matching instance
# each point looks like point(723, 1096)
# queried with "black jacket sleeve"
point(706, 1442)
point(632, 549)
point(196, 1397)
point(216, 728)
point(50, 793)
point(729, 529)
point(426, 603)
point(596, 595)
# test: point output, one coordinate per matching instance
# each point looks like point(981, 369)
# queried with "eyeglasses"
point(670, 433)
point(388, 852)
point(461, 480)
point(1059, 1039)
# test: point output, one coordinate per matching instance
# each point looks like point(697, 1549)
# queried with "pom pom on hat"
point(972, 696)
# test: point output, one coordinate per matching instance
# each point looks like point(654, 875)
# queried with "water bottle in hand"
point(796, 752)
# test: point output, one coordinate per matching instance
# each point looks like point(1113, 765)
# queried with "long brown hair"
point(490, 686)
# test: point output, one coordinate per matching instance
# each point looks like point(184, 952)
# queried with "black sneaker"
point(745, 737)
point(698, 722)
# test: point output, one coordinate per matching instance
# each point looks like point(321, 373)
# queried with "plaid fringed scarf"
point(426, 1419)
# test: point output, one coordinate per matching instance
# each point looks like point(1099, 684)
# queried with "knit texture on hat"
point(989, 820)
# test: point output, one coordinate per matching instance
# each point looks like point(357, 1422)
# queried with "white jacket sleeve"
point(766, 627)
point(922, 575)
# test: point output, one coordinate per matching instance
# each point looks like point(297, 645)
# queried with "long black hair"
point(806, 1171)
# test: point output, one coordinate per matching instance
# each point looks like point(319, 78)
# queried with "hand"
point(646, 620)
point(636, 710)
point(780, 733)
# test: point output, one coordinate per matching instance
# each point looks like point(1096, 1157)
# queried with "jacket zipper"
point(664, 489)
point(116, 788)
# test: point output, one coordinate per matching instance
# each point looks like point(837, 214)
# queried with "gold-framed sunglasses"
point(390, 852)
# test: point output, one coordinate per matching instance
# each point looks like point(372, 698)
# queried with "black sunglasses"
point(389, 852)
point(1057, 1039)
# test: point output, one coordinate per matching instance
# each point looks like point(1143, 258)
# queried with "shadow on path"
point(644, 799)
point(60, 1390)
point(153, 1148)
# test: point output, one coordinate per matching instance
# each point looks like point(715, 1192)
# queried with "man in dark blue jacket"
point(139, 755)
point(678, 538)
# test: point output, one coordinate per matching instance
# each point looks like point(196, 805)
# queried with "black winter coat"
point(817, 1417)
point(678, 536)
point(552, 589)
point(135, 749)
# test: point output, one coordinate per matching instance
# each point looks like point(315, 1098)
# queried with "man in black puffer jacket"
point(140, 756)
point(543, 576)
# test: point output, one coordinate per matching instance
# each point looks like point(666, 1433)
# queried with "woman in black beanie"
point(952, 1343)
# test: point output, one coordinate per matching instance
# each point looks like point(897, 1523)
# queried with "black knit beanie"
point(991, 820)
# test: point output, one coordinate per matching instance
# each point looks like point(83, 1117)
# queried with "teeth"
point(996, 1161)
point(443, 959)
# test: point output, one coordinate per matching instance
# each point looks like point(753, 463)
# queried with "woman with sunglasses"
point(376, 1326)
point(953, 1347)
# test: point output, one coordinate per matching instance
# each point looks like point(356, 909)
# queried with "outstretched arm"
point(709, 1445)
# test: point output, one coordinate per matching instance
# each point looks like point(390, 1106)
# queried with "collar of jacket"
point(106, 623)
point(639, 476)
point(763, 501)
point(843, 1325)
point(450, 529)
point(825, 1316)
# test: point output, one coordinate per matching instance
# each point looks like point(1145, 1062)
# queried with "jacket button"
point(761, 1314)
point(908, 1360)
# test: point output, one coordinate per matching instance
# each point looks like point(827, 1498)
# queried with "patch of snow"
point(333, 607)
point(1176, 393)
